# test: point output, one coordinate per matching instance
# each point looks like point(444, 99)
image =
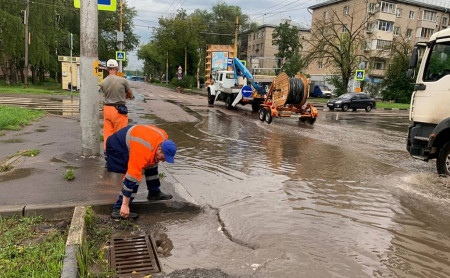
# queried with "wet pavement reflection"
point(341, 198)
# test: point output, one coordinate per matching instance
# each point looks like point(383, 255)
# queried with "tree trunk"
point(198, 69)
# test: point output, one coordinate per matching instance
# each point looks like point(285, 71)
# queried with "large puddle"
point(340, 199)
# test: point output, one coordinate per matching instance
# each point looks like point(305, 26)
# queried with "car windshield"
point(348, 95)
point(324, 88)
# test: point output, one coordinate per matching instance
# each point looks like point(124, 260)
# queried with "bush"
point(186, 82)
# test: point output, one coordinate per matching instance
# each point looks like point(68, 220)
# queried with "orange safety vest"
point(142, 142)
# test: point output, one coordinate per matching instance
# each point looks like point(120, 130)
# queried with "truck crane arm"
point(241, 70)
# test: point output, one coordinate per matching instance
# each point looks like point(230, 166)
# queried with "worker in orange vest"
point(131, 151)
point(115, 90)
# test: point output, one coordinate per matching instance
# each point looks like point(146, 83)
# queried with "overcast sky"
point(261, 11)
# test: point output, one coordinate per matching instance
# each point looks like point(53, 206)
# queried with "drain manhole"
point(133, 255)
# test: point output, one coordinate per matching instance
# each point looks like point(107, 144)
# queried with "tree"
point(286, 38)
point(398, 86)
point(339, 41)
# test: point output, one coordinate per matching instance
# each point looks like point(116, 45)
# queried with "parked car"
point(321, 91)
point(352, 101)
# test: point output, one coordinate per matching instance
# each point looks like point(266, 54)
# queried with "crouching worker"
point(132, 150)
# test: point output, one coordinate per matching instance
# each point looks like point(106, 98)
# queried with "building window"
point(262, 46)
point(444, 22)
point(383, 45)
point(387, 7)
point(429, 15)
point(346, 10)
point(409, 33)
point(369, 27)
point(319, 65)
point(399, 13)
point(384, 25)
point(396, 31)
point(411, 14)
point(372, 8)
point(379, 65)
point(254, 35)
point(325, 15)
point(426, 32)
point(344, 28)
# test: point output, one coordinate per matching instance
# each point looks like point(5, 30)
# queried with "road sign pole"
point(89, 120)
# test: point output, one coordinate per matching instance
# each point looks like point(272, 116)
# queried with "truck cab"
point(224, 87)
point(429, 134)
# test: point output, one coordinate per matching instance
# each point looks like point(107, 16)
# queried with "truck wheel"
point(210, 98)
point(331, 108)
point(262, 114)
point(255, 107)
point(269, 117)
point(368, 108)
point(311, 121)
point(443, 160)
point(229, 102)
point(345, 108)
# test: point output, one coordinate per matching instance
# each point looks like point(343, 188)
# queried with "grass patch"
point(30, 247)
point(70, 175)
point(5, 168)
point(39, 88)
point(92, 259)
point(28, 153)
point(13, 118)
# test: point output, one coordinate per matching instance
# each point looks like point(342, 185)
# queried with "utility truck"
point(231, 87)
point(429, 134)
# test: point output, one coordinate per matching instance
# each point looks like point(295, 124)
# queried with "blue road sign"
point(102, 5)
point(120, 55)
point(247, 91)
point(359, 75)
point(229, 61)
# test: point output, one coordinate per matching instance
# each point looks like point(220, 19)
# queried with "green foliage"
point(186, 82)
point(336, 81)
point(92, 251)
point(398, 86)
point(13, 118)
point(27, 251)
point(286, 38)
point(49, 25)
point(70, 175)
point(162, 175)
point(28, 153)
point(190, 34)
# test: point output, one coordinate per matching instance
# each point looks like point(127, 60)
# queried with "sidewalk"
point(37, 184)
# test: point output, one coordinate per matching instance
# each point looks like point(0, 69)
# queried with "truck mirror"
point(411, 73)
point(414, 58)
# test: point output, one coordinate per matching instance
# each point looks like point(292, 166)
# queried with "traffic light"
point(23, 15)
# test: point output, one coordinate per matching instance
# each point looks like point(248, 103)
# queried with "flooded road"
point(341, 198)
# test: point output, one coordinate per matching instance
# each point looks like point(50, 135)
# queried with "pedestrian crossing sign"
point(120, 55)
point(102, 5)
point(359, 75)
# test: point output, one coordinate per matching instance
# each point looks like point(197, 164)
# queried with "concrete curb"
point(75, 240)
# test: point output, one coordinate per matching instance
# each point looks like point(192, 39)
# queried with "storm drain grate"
point(133, 255)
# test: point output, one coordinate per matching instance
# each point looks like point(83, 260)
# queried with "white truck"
point(231, 87)
point(224, 88)
point(429, 134)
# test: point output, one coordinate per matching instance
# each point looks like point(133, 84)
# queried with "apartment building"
point(384, 21)
point(261, 52)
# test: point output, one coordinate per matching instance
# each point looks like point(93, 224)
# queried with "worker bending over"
point(131, 151)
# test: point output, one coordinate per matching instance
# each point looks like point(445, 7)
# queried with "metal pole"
point(120, 29)
point(167, 68)
point(185, 61)
point(236, 28)
point(71, 67)
point(25, 71)
point(90, 131)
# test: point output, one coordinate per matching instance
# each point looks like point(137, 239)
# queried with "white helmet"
point(112, 63)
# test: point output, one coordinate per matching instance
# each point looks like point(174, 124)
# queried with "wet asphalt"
point(341, 198)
